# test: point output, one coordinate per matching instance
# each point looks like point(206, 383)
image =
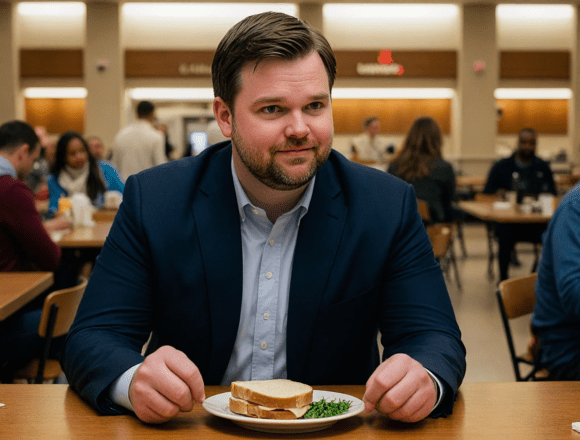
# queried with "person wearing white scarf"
point(74, 180)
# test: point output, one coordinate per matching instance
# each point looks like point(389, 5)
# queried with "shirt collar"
point(6, 168)
point(243, 200)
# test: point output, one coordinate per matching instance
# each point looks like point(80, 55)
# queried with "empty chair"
point(441, 239)
point(516, 297)
point(58, 313)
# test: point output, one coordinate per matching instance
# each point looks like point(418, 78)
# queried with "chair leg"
point(536, 257)
point(461, 238)
point(491, 253)
point(453, 262)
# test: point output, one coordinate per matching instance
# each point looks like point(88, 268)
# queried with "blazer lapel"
point(316, 247)
point(218, 223)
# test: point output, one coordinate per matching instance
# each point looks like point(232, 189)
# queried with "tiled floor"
point(477, 311)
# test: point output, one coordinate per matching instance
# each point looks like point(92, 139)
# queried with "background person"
point(75, 170)
point(367, 148)
point(556, 318)
point(309, 241)
point(421, 164)
point(529, 175)
point(139, 145)
point(25, 243)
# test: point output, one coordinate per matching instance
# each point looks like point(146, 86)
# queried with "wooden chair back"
point(423, 208)
point(517, 297)
point(58, 313)
point(440, 237)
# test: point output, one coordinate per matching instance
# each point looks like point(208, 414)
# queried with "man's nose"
point(297, 125)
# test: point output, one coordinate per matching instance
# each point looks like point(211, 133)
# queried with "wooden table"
point(105, 214)
point(484, 210)
point(472, 183)
point(86, 236)
point(517, 410)
point(19, 288)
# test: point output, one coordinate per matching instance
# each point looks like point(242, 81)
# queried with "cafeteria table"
point(86, 236)
point(19, 288)
point(515, 410)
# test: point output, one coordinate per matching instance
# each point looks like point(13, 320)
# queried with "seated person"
point(25, 243)
point(244, 266)
point(420, 163)
point(556, 318)
point(75, 170)
point(534, 177)
point(366, 147)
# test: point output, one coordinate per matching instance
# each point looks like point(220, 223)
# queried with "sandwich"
point(280, 399)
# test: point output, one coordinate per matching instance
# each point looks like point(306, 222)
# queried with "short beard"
point(272, 174)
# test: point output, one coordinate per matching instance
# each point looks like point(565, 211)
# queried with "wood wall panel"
point(396, 115)
point(534, 65)
point(167, 63)
point(51, 63)
point(57, 115)
point(546, 116)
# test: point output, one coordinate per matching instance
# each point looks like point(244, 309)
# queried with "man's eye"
point(316, 105)
point(270, 109)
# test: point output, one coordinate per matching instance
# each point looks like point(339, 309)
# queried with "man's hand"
point(401, 389)
point(165, 384)
point(58, 223)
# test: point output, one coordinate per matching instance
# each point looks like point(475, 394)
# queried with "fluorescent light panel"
point(52, 9)
point(392, 93)
point(534, 12)
point(55, 92)
point(179, 94)
point(390, 12)
point(199, 11)
point(533, 93)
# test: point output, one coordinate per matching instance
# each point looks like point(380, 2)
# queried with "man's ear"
point(22, 152)
point(223, 116)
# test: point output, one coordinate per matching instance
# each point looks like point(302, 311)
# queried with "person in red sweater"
point(25, 243)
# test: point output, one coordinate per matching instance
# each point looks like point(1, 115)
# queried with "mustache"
point(294, 143)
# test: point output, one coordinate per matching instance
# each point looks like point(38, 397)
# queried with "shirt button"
point(266, 315)
point(269, 275)
point(263, 345)
point(255, 211)
point(272, 242)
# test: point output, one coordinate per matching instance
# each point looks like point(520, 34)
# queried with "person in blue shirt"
point(75, 170)
point(556, 318)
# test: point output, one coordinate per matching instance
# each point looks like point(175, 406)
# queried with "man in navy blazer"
point(179, 259)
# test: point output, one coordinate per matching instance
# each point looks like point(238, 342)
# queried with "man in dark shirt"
point(528, 175)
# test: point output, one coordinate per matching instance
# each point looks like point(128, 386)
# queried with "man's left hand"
point(401, 389)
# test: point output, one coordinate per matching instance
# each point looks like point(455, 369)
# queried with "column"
point(476, 113)
point(9, 71)
point(574, 113)
point(104, 73)
point(312, 13)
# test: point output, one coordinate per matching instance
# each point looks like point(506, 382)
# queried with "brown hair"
point(422, 147)
point(262, 36)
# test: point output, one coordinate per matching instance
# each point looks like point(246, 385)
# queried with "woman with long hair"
point(75, 170)
point(420, 163)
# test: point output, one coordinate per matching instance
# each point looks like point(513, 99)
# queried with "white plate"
point(219, 406)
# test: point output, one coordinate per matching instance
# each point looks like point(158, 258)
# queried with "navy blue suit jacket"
point(172, 265)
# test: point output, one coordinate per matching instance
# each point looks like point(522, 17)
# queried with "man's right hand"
point(165, 384)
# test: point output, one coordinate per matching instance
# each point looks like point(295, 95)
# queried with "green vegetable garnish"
point(322, 408)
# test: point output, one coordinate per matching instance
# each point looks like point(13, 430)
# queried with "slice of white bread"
point(250, 409)
point(275, 393)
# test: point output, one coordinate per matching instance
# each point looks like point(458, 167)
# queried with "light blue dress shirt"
point(6, 168)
